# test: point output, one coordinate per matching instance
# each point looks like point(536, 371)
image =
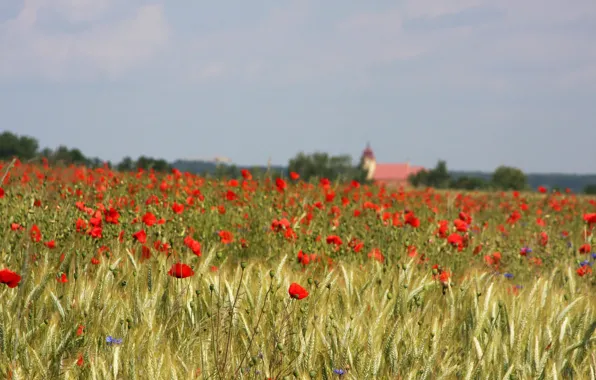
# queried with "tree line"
point(310, 167)
point(27, 148)
point(503, 178)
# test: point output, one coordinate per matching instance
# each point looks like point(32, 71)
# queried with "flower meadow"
point(108, 275)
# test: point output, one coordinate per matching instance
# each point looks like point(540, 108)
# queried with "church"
point(390, 174)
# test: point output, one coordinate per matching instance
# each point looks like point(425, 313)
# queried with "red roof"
point(395, 172)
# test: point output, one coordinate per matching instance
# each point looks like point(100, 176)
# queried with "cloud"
point(481, 43)
point(286, 47)
point(435, 8)
point(33, 44)
point(492, 44)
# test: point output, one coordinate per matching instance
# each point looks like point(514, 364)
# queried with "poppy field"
point(108, 275)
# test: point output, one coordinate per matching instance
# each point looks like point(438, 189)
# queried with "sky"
point(478, 83)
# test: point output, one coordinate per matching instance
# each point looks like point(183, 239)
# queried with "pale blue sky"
point(478, 83)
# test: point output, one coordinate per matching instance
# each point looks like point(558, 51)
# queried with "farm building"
point(393, 174)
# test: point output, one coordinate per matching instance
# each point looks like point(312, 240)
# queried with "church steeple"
point(369, 163)
point(368, 153)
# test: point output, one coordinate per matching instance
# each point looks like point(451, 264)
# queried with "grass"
point(390, 318)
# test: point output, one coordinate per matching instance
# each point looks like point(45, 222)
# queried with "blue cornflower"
point(339, 372)
point(111, 340)
point(584, 263)
point(594, 255)
point(508, 275)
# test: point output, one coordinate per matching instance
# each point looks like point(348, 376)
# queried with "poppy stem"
point(252, 337)
point(232, 320)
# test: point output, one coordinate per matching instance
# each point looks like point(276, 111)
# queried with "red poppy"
point(35, 233)
point(140, 236)
point(246, 174)
point(297, 291)
point(226, 237)
point(112, 216)
point(585, 248)
point(180, 270)
point(280, 184)
point(149, 219)
point(10, 278)
point(177, 208)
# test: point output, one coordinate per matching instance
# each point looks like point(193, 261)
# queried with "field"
point(105, 275)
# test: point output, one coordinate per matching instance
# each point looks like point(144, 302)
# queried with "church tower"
point(369, 162)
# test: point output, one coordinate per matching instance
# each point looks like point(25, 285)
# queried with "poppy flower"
point(297, 291)
point(585, 248)
point(35, 233)
point(149, 219)
point(180, 270)
point(140, 236)
point(10, 278)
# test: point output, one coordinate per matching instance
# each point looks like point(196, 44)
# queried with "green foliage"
point(469, 183)
point(504, 178)
point(23, 147)
point(590, 189)
point(126, 165)
point(27, 148)
point(509, 178)
point(438, 177)
point(148, 163)
point(322, 165)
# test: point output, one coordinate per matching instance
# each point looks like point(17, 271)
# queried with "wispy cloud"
point(32, 43)
point(486, 42)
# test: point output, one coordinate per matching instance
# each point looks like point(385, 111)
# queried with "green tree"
point(22, 147)
point(126, 165)
point(509, 178)
point(468, 183)
point(438, 177)
point(148, 163)
point(590, 189)
point(66, 156)
point(322, 165)
point(28, 147)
